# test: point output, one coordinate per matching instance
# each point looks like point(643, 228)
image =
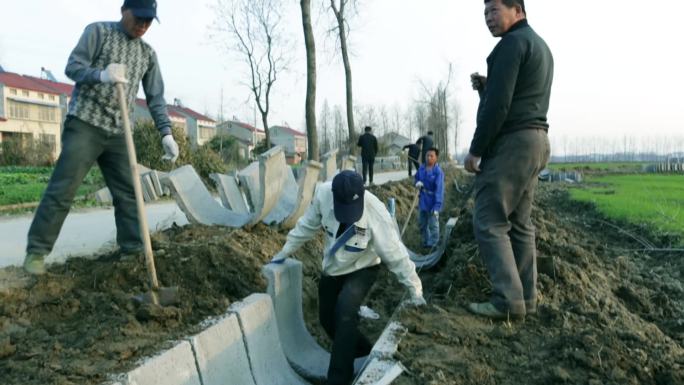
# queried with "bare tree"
point(253, 30)
point(437, 100)
point(325, 127)
point(310, 44)
point(339, 7)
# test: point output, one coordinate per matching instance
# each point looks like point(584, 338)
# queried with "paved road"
point(92, 231)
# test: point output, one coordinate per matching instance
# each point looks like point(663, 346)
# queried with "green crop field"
point(26, 184)
point(657, 200)
point(599, 166)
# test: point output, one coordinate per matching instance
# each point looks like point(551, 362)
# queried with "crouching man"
point(360, 236)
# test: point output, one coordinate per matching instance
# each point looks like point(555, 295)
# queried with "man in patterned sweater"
point(107, 53)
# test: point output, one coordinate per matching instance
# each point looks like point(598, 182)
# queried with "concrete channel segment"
point(175, 366)
point(221, 354)
point(307, 187)
point(261, 336)
point(382, 367)
point(249, 181)
point(287, 201)
point(329, 160)
point(230, 193)
point(196, 202)
point(305, 355)
point(271, 178)
point(348, 162)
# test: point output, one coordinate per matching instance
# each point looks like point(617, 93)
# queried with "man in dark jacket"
point(509, 149)
point(413, 154)
point(426, 142)
point(369, 147)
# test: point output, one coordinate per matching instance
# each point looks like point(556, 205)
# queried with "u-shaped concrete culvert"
point(329, 160)
point(261, 336)
point(307, 186)
point(264, 187)
point(221, 354)
point(348, 163)
point(287, 202)
point(426, 261)
point(175, 366)
point(196, 202)
point(230, 193)
point(305, 355)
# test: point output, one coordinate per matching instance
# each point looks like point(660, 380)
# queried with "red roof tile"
point(13, 80)
point(143, 103)
point(247, 126)
point(191, 113)
point(290, 130)
point(62, 88)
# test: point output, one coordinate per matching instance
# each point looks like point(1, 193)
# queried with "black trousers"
point(82, 145)
point(367, 169)
point(339, 300)
point(413, 163)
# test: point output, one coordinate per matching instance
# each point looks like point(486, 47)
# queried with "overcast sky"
point(618, 64)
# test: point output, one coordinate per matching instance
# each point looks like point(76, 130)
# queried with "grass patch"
point(655, 200)
point(599, 166)
point(26, 184)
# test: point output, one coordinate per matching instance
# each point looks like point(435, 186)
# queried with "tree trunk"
point(339, 15)
point(311, 133)
point(264, 121)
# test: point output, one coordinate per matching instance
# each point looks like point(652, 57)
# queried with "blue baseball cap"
point(144, 9)
point(347, 189)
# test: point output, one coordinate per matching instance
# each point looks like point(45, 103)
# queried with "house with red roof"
point(293, 142)
point(32, 108)
point(199, 127)
point(247, 135)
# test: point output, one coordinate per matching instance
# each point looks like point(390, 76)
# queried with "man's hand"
point(114, 73)
point(472, 163)
point(279, 258)
point(435, 214)
point(170, 148)
point(419, 184)
point(478, 81)
point(414, 302)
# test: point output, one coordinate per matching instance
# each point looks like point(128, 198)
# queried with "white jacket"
point(379, 243)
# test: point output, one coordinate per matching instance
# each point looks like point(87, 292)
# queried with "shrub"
point(25, 151)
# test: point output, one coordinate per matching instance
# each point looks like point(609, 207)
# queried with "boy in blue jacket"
point(430, 181)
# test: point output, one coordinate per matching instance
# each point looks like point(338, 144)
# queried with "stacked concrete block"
point(329, 161)
point(221, 354)
point(175, 366)
point(196, 202)
point(307, 187)
point(230, 193)
point(260, 333)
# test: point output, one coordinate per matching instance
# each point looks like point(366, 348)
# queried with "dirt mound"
point(78, 323)
point(607, 314)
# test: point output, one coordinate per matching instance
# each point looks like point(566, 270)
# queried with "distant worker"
point(509, 149)
point(107, 53)
point(413, 155)
point(369, 148)
point(360, 234)
point(426, 142)
point(430, 181)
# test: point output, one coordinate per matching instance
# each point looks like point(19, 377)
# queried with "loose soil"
point(607, 315)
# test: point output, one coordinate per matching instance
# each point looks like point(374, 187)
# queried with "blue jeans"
point(429, 228)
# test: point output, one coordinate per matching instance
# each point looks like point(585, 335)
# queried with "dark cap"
point(347, 189)
point(144, 9)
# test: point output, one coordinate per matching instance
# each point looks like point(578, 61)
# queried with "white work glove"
point(419, 184)
point(170, 148)
point(435, 214)
point(414, 302)
point(114, 73)
point(279, 258)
